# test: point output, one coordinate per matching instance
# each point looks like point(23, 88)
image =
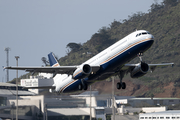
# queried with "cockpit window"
point(143, 33)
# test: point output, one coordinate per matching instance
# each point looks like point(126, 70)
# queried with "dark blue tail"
point(52, 60)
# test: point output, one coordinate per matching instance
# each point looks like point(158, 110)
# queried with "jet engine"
point(140, 70)
point(82, 71)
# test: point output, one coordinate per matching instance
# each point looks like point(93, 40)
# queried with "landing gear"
point(121, 84)
point(80, 87)
point(118, 85)
point(83, 85)
point(140, 56)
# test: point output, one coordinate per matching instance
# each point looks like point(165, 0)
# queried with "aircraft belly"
point(73, 87)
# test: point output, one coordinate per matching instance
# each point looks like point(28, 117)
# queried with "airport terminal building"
point(33, 106)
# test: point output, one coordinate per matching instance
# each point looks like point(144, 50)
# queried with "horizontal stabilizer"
point(42, 87)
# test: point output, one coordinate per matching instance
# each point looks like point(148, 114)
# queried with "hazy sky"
point(33, 28)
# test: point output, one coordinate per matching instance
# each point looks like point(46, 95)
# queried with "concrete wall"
point(155, 101)
point(154, 109)
point(70, 111)
point(93, 101)
point(37, 101)
point(39, 98)
point(124, 109)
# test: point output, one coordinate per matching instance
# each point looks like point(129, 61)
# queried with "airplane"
point(111, 61)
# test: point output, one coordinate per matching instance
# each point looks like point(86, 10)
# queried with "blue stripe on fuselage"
point(72, 87)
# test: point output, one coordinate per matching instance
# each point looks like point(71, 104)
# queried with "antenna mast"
point(7, 49)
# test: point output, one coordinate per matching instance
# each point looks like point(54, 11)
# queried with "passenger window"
point(139, 34)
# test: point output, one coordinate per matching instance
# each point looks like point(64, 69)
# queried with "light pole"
point(7, 49)
point(17, 57)
point(90, 104)
point(113, 114)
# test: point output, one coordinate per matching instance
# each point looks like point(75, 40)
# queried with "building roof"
point(169, 112)
point(7, 84)
point(7, 89)
point(154, 98)
point(6, 92)
point(67, 111)
point(87, 93)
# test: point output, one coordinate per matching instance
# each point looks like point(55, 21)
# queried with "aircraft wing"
point(55, 70)
point(152, 67)
point(60, 69)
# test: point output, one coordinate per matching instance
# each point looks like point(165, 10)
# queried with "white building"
point(146, 102)
point(165, 115)
point(43, 80)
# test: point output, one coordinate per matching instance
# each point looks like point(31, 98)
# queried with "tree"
point(44, 60)
point(152, 96)
point(103, 30)
point(155, 7)
point(73, 47)
point(115, 24)
point(170, 2)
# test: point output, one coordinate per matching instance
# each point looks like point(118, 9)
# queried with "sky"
point(34, 28)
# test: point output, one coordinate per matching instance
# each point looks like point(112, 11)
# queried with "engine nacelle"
point(82, 71)
point(140, 70)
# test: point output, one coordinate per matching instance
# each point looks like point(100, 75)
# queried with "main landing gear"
point(121, 75)
point(121, 84)
point(83, 85)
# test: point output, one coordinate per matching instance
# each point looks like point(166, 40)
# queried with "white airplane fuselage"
point(110, 60)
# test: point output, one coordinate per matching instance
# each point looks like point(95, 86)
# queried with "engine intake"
point(140, 70)
point(82, 71)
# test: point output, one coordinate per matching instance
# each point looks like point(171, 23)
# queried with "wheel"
point(118, 85)
point(80, 87)
point(85, 87)
point(123, 85)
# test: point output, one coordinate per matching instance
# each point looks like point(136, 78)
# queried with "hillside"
point(163, 22)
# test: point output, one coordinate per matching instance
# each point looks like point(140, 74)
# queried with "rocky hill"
point(163, 22)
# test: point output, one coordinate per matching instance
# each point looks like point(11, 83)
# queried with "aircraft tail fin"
point(52, 60)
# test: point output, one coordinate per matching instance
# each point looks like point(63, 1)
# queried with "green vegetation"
point(163, 22)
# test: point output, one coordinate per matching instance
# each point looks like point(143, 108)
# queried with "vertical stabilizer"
point(52, 60)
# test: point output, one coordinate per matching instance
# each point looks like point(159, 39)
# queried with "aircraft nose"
point(150, 36)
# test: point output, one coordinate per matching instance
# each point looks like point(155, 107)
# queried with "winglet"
point(52, 60)
point(3, 68)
